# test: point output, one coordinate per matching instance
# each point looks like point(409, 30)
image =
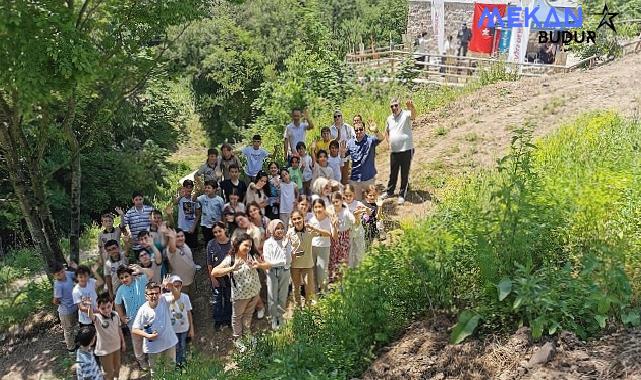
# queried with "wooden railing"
point(456, 70)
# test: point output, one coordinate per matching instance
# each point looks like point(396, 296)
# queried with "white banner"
point(437, 11)
point(519, 36)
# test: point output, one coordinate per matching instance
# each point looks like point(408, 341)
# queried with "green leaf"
point(380, 337)
point(537, 327)
point(505, 288)
point(465, 326)
point(631, 318)
point(601, 319)
point(517, 303)
point(604, 305)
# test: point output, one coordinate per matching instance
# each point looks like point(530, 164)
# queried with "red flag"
point(482, 37)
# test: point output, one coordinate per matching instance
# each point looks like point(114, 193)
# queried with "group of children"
point(291, 228)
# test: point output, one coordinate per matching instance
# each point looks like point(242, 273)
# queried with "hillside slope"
point(476, 129)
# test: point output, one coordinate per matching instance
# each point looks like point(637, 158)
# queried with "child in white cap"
point(181, 319)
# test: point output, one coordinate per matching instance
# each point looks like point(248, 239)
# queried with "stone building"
point(457, 12)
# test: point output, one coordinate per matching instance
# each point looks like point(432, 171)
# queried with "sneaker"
point(400, 201)
point(240, 345)
point(260, 314)
point(274, 323)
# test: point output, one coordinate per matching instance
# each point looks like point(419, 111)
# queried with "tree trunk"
point(29, 190)
point(76, 176)
point(74, 234)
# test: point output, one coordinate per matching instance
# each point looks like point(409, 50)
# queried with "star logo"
point(607, 18)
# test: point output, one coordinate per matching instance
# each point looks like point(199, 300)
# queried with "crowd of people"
point(268, 232)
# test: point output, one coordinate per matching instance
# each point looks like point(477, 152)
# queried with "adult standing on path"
point(362, 150)
point(295, 131)
point(398, 132)
point(342, 132)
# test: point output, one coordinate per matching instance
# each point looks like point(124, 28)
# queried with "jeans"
point(181, 347)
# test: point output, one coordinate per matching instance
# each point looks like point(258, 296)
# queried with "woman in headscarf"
point(277, 251)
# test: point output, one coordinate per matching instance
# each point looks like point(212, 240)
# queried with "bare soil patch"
point(423, 352)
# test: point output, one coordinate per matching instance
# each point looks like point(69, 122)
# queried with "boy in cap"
point(181, 318)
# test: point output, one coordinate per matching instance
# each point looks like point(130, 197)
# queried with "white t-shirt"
point(325, 224)
point(160, 321)
point(110, 268)
point(347, 132)
point(182, 263)
point(307, 170)
point(179, 312)
point(400, 131)
point(336, 163)
point(346, 220)
point(86, 294)
point(295, 134)
point(287, 197)
point(278, 254)
point(255, 159)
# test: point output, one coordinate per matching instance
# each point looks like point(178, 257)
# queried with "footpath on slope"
point(475, 130)
point(472, 133)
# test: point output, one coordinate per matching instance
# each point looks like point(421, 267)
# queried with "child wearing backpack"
point(109, 339)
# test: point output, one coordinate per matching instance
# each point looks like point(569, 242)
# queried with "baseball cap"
point(338, 113)
point(175, 278)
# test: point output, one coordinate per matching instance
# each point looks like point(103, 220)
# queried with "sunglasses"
point(394, 106)
point(337, 116)
point(359, 129)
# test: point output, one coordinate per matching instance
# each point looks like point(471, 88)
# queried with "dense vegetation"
point(223, 63)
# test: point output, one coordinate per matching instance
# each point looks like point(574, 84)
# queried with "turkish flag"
point(482, 37)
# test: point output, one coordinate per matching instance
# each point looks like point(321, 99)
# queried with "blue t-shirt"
point(363, 154)
point(64, 291)
point(133, 296)
point(255, 159)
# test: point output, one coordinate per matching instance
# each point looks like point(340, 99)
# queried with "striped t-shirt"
point(87, 366)
point(137, 220)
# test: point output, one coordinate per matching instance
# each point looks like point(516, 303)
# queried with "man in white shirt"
point(398, 131)
point(295, 131)
point(153, 323)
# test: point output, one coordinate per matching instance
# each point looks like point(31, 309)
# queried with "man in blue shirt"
point(362, 150)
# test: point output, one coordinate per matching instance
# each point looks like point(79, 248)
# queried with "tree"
point(66, 67)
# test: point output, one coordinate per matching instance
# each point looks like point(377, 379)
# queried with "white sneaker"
point(239, 345)
point(274, 323)
point(260, 314)
point(400, 201)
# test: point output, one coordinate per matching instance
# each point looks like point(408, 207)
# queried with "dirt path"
point(476, 129)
